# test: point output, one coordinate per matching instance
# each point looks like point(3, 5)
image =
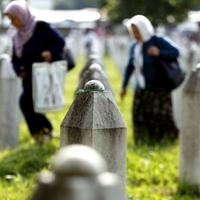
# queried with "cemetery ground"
point(152, 171)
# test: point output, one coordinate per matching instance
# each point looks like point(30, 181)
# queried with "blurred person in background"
point(91, 43)
point(152, 105)
point(34, 41)
point(196, 35)
point(193, 48)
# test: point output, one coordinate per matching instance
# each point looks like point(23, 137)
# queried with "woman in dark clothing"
point(152, 105)
point(34, 41)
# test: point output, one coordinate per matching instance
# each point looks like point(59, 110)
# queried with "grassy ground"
point(152, 172)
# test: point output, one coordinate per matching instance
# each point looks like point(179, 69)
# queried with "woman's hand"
point(153, 51)
point(122, 94)
point(23, 75)
point(47, 56)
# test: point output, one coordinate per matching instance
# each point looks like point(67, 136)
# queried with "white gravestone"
point(9, 106)
point(190, 131)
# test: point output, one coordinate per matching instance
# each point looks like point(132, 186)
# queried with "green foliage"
point(158, 11)
point(101, 3)
point(156, 176)
point(74, 4)
point(25, 160)
point(152, 171)
point(19, 167)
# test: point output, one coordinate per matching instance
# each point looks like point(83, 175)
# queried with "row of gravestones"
point(91, 164)
point(94, 120)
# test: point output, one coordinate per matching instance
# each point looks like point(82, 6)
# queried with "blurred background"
point(179, 20)
point(152, 173)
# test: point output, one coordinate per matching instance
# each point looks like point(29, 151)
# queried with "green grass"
point(152, 172)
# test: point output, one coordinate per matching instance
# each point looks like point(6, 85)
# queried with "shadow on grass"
point(187, 192)
point(26, 160)
point(163, 145)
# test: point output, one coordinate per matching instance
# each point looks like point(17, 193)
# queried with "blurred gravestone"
point(74, 37)
point(93, 59)
point(93, 119)
point(119, 47)
point(96, 72)
point(78, 173)
point(92, 44)
point(119, 50)
point(190, 131)
point(9, 109)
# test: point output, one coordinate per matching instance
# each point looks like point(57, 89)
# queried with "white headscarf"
point(144, 26)
point(147, 31)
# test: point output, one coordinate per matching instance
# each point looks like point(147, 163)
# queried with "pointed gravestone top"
point(92, 109)
point(95, 72)
point(94, 85)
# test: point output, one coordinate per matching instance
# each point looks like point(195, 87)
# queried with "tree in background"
point(74, 4)
point(158, 11)
point(101, 3)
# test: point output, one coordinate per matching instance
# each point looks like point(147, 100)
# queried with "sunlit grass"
point(19, 167)
point(152, 172)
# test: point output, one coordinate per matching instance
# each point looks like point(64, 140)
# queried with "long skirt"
point(152, 116)
point(36, 121)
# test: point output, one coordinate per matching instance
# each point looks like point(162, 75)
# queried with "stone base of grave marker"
point(9, 112)
point(93, 119)
point(190, 131)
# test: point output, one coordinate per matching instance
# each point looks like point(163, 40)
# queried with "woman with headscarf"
point(34, 41)
point(152, 104)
